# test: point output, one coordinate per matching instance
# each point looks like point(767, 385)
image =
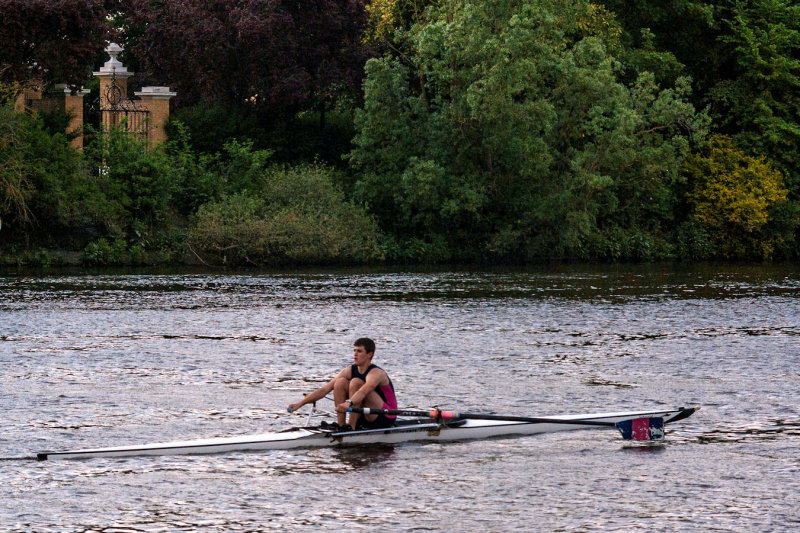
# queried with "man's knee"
point(355, 384)
point(340, 384)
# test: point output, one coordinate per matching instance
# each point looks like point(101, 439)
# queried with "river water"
point(103, 360)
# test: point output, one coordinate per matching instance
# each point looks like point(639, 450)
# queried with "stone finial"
point(113, 67)
point(113, 50)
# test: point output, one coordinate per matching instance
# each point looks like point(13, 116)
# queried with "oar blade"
point(642, 429)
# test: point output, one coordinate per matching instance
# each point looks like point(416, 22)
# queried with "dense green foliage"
point(744, 60)
point(485, 130)
point(121, 202)
point(758, 102)
point(42, 181)
point(289, 215)
point(512, 137)
point(136, 185)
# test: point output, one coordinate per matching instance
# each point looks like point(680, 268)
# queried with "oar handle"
point(433, 413)
point(449, 415)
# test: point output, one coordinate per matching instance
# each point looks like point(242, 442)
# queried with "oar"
point(645, 428)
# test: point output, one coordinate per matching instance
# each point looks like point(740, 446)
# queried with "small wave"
point(751, 331)
point(777, 430)
point(607, 383)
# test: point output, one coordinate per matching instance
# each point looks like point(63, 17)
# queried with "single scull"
point(435, 429)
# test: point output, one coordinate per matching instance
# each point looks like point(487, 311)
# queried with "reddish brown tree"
point(277, 55)
point(53, 40)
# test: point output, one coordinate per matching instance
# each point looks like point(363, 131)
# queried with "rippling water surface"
point(101, 360)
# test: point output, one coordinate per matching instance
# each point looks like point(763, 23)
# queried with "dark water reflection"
point(105, 359)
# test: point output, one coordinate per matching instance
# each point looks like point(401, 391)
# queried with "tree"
point(387, 16)
point(510, 135)
point(135, 185)
point(757, 99)
point(744, 59)
point(50, 40)
point(277, 56)
point(45, 187)
point(670, 39)
point(733, 198)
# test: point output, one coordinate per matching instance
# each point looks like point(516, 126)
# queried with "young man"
point(361, 384)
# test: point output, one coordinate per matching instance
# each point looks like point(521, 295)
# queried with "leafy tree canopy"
point(275, 55)
point(509, 134)
point(43, 182)
point(757, 99)
point(52, 40)
point(388, 16)
point(743, 58)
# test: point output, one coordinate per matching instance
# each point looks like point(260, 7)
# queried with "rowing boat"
point(435, 429)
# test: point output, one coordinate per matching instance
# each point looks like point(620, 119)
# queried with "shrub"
point(299, 216)
point(196, 173)
point(104, 252)
point(210, 126)
point(135, 184)
point(732, 198)
point(44, 183)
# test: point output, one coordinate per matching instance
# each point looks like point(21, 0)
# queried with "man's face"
point(360, 355)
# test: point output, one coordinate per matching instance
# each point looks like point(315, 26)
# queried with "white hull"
point(423, 431)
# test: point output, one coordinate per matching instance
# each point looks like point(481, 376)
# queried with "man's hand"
point(294, 407)
point(344, 406)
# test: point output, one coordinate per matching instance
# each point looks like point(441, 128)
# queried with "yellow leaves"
point(599, 18)
point(384, 16)
point(733, 193)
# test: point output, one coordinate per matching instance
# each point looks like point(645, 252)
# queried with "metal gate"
point(116, 110)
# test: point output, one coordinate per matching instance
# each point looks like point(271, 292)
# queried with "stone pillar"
point(20, 101)
point(113, 77)
point(28, 97)
point(73, 106)
point(156, 100)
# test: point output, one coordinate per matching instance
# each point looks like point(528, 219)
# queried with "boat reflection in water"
point(364, 457)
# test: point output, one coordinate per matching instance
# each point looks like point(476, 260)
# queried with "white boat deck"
point(409, 431)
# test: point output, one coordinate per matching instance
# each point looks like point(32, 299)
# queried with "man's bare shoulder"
point(347, 372)
point(378, 375)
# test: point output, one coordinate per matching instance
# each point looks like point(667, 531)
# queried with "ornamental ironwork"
point(116, 109)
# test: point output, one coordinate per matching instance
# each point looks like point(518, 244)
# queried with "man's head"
point(367, 344)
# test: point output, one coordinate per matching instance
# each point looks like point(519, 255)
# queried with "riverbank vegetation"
point(491, 131)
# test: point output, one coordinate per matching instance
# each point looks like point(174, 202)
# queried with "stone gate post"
point(113, 76)
point(156, 100)
point(73, 106)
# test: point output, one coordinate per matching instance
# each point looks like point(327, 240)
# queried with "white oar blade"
point(642, 429)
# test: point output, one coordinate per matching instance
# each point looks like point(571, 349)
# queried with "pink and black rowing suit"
point(386, 392)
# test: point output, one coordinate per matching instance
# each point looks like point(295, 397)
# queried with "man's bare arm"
point(374, 379)
point(317, 394)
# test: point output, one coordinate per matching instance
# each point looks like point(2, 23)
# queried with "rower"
point(361, 384)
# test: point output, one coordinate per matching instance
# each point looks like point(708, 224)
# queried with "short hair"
point(367, 343)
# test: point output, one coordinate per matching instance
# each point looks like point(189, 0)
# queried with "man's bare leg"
point(355, 384)
point(372, 401)
point(340, 393)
